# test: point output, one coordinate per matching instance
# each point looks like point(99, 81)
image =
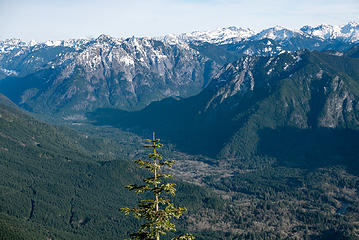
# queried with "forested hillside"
point(286, 127)
point(61, 184)
point(264, 128)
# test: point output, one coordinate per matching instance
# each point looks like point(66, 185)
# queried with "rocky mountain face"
point(77, 76)
point(253, 104)
point(126, 74)
point(218, 36)
point(276, 130)
point(228, 44)
point(346, 33)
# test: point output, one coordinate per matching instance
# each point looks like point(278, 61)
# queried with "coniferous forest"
point(250, 143)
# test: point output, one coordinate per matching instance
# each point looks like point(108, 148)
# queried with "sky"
point(42, 20)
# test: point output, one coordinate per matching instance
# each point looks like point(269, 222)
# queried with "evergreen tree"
point(156, 212)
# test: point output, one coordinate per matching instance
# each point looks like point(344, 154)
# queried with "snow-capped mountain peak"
point(277, 33)
point(323, 31)
point(10, 44)
point(104, 38)
point(217, 36)
point(348, 32)
point(53, 43)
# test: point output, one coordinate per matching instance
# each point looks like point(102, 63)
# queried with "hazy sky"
point(63, 19)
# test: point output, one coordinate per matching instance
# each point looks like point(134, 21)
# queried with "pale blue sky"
point(63, 19)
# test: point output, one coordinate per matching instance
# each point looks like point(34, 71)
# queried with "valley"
point(263, 126)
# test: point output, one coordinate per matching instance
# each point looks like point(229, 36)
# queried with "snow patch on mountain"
point(217, 36)
point(277, 33)
point(348, 32)
point(8, 72)
point(127, 60)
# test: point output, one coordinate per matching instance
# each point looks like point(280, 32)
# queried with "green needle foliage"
point(156, 212)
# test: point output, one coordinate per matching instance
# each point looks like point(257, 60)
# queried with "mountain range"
point(76, 76)
point(254, 97)
point(263, 125)
point(104, 72)
point(347, 33)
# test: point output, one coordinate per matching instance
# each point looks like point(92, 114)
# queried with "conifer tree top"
point(159, 211)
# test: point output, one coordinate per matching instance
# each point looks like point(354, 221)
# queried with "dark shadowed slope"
point(305, 91)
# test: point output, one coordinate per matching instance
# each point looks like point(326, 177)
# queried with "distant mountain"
point(233, 41)
point(70, 78)
point(20, 58)
point(218, 36)
point(346, 33)
point(287, 125)
point(253, 104)
point(274, 119)
point(268, 42)
point(127, 74)
point(277, 33)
